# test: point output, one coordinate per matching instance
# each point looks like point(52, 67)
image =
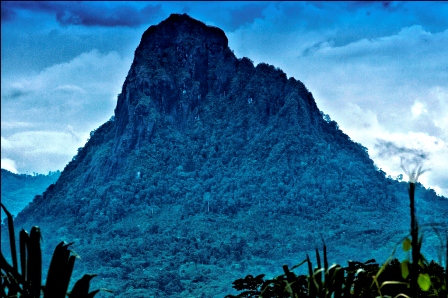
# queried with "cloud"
point(88, 14)
point(70, 89)
point(6, 144)
point(391, 88)
point(411, 42)
point(9, 165)
point(37, 142)
point(439, 107)
point(228, 16)
point(327, 27)
point(81, 92)
point(345, 22)
point(418, 108)
point(372, 74)
point(28, 47)
point(412, 149)
point(15, 93)
point(104, 15)
point(246, 14)
point(58, 107)
point(389, 147)
point(41, 151)
point(8, 14)
point(14, 125)
point(389, 6)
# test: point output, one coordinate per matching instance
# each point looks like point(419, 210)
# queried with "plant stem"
point(414, 237)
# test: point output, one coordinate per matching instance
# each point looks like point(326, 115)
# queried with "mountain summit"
point(212, 168)
point(184, 70)
point(177, 64)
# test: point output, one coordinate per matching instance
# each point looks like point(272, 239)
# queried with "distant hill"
point(20, 189)
point(213, 168)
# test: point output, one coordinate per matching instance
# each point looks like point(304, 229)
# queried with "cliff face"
point(212, 160)
point(185, 79)
point(177, 64)
point(182, 69)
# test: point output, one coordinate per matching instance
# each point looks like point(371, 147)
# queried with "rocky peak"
point(183, 71)
point(177, 30)
point(177, 64)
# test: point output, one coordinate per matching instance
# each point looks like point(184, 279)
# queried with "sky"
point(379, 69)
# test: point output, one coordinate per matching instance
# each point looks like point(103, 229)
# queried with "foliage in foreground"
point(356, 280)
point(28, 283)
point(416, 278)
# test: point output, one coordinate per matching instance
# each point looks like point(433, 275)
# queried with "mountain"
point(19, 189)
point(213, 168)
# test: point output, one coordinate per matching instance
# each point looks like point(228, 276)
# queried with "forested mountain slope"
point(19, 189)
point(212, 168)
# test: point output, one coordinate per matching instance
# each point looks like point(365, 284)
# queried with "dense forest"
point(213, 168)
point(20, 189)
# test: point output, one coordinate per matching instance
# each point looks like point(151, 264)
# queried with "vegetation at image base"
point(394, 279)
point(28, 283)
point(416, 278)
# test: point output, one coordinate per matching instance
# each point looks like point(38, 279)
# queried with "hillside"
point(19, 189)
point(213, 168)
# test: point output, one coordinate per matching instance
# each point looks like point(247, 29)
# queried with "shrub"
point(409, 278)
point(28, 283)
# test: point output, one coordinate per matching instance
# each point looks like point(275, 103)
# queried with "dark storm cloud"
point(8, 14)
point(315, 48)
point(309, 15)
point(229, 16)
point(99, 14)
point(246, 14)
point(112, 14)
point(15, 94)
point(385, 5)
point(33, 6)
